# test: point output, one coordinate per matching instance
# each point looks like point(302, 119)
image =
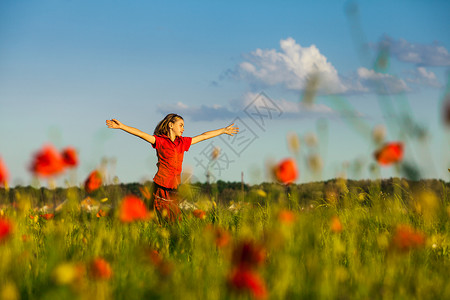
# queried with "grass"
point(305, 257)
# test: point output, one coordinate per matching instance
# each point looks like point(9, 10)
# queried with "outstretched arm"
point(116, 124)
point(230, 130)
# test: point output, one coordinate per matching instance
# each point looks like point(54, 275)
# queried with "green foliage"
point(305, 256)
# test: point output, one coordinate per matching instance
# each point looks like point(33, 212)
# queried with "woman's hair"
point(163, 127)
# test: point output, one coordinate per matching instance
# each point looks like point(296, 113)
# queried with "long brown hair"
point(163, 127)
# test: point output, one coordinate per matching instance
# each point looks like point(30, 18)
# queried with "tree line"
point(223, 192)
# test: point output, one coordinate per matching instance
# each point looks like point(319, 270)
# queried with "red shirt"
point(170, 159)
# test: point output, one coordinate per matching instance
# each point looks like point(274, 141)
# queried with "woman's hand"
point(116, 124)
point(113, 123)
point(231, 130)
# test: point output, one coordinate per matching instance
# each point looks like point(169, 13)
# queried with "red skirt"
point(165, 203)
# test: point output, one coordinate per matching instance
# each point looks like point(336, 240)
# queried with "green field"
point(324, 240)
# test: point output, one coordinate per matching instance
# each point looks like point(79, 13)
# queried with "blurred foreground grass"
point(332, 240)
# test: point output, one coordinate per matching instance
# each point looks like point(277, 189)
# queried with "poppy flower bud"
point(286, 171)
point(47, 162)
point(93, 182)
point(390, 153)
point(3, 173)
point(100, 269)
point(70, 157)
point(133, 209)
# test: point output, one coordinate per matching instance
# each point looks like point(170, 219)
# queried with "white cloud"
point(428, 75)
point(295, 68)
point(291, 67)
point(423, 77)
point(284, 109)
point(420, 54)
point(380, 83)
point(289, 108)
point(181, 105)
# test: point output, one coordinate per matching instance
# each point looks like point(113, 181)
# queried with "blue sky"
point(67, 66)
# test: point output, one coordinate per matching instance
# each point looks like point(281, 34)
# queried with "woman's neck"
point(172, 136)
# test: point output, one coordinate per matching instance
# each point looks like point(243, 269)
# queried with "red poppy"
point(5, 229)
point(286, 216)
point(70, 157)
point(336, 225)
point(390, 153)
point(164, 268)
point(198, 213)
point(80, 272)
point(47, 216)
point(222, 237)
point(406, 238)
point(101, 213)
point(245, 280)
point(47, 162)
point(133, 209)
point(100, 269)
point(93, 182)
point(249, 254)
point(286, 171)
point(3, 173)
point(155, 257)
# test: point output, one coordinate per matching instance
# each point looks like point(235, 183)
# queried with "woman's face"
point(178, 127)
